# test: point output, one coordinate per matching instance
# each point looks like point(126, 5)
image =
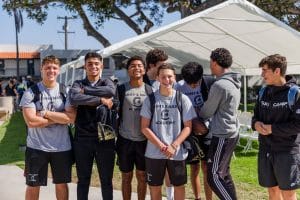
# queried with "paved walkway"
point(12, 187)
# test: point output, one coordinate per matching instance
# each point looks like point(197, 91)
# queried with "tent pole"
point(245, 92)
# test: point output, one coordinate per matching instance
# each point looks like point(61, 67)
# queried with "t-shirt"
point(130, 127)
point(55, 137)
point(194, 94)
point(166, 122)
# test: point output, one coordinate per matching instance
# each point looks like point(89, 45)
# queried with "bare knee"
point(127, 177)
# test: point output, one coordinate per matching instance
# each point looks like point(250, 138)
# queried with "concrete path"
point(12, 187)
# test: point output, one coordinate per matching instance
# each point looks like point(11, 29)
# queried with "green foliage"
point(12, 134)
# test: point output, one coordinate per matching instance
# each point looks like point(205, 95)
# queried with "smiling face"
point(49, 72)
point(166, 77)
point(136, 69)
point(93, 67)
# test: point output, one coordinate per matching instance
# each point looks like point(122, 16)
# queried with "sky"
point(34, 33)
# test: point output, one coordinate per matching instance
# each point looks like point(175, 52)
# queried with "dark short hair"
point(165, 66)
point(156, 55)
point(275, 61)
point(222, 56)
point(192, 72)
point(92, 55)
point(133, 58)
point(50, 59)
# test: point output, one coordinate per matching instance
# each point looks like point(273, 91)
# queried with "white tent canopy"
point(245, 30)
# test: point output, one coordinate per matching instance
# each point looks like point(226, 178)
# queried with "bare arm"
point(145, 123)
point(65, 117)
point(33, 120)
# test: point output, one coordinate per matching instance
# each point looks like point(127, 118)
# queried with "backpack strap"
point(63, 92)
point(36, 92)
point(293, 96)
point(121, 97)
point(261, 92)
point(179, 106)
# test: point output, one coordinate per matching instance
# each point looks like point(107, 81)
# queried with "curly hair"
point(192, 72)
point(156, 55)
point(275, 61)
point(222, 56)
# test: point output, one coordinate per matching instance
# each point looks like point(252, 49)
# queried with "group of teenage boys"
point(156, 115)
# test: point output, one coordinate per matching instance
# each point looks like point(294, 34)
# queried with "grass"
point(243, 166)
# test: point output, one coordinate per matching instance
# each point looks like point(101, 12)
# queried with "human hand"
point(107, 102)
point(262, 128)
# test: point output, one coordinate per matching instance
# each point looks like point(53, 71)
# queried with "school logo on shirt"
point(137, 102)
point(165, 114)
point(198, 100)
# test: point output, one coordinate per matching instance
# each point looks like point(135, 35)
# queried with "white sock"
point(170, 193)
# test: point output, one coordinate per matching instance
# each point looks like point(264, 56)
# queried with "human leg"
point(61, 172)
point(155, 192)
point(207, 189)
point(32, 193)
point(84, 156)
point(126, 185)
point(105, 159)
point(155, 172)
point(62, 191)
point(169, 187)
point(289, 194)
point(218, 172)
point(141, 184)
point(179, 192)
point(195, 179)
point(274, 193)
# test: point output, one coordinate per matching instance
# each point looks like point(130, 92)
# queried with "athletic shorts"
point(279, 169)
point(202, 140)
point(130, 153)
point(156, 169)
point(36, 166)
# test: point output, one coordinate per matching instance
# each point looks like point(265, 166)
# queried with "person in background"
point(222, 107)
point(278, 125)
point(196, 87)
point(154, 59)
point(48, 140)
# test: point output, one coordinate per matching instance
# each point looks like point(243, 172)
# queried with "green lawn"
point(243, 166)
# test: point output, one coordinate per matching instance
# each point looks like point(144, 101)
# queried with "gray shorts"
point(279, 169)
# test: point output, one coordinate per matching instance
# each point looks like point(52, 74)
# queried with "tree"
point(140, 18)
point(141, 15)
point(18, 25)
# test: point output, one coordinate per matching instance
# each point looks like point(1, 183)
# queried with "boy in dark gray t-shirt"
point(165, 135)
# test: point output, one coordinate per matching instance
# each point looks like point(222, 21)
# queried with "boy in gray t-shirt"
point(131, 143)
point(165, 135)
point(48, 141)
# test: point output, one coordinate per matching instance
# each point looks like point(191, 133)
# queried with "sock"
point(170, 193)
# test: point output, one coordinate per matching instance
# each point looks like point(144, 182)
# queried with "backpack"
point(292, 95)
point(191, 143)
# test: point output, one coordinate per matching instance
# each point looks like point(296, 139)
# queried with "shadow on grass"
point(12, 135)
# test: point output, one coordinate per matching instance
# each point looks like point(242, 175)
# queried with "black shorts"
point(279, 169)
point(130, 153)
point(202, 140)
point(36, 166)
point(156, 170)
